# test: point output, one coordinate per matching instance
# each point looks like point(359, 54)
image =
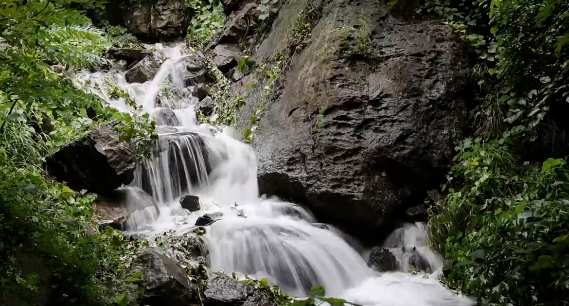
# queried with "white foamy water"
point(256, 236)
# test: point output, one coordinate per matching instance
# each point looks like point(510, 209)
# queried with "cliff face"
point(365, 114)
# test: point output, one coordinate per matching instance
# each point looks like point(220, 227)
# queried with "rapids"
point(257, 236)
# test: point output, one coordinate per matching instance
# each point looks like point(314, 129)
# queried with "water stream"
point(256, 236)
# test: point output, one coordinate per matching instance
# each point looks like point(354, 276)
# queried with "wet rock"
point(226, 56)
point(164, 281)
point(238, 25)
point(128, 55)
point(199, 91)
point(194, 69)
point(204, 220)
point(146, 69)
point(190, 202)
point(120, 65)
point(417, 213)
point(166, 116)
point(419, 262)
point(223, 290)
point(206, 106)
point(358, 135)
point(192, 66)
point(98, 162)
point(118, 224)
point(189, 250)
point(382, 260)
point(321, 225)
point(156, 20)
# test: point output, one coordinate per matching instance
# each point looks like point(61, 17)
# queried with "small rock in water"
point(320, 225)
point(418, 262)
point(117, 223)
point(382, 260)
point(208, 219)
point(190, 202)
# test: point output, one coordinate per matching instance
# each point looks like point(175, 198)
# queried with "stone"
point(204, 220)
point(206, 106)
point(237, 27)
point(165, 282)
point(119, 66)
point(417, 213)
point(128, 55)
point(226, 56)
point(146, 69)
point(98, 162)
point(192, 67)
point(236, 75)
point(156, 20)
point(358, 136)
point(200, 91)
point(321, 226)
point(190, 202)
point(223, 290)
point(418, 262)
point(166, 116)
point(382, 260)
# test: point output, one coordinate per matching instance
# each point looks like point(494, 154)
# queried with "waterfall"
point(256, 236)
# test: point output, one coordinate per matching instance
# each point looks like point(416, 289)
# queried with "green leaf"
point(318, 291)
point(480, 254)
point(465, 263)
point(543, 262)
point(333, 301)
point(561, 238)
point(494, 30)
point(265, 282)
point(67, 192)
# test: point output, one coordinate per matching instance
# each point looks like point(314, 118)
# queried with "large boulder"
point(368, 117)
point(146, 69)
point(238, 26)
point(156, 20)
point(98, 162)
point(222, 290)
point(165, 282)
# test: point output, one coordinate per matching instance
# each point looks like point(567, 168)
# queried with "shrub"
point(504, 227)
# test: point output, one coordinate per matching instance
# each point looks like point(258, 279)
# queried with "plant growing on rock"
point(208, 18)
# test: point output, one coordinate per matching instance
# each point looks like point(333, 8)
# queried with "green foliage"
point(363, 39)
point(266, 8)
point(245, 64)
point(503, 223)
point(139, 131)
point(208, 18)
point(283, 299)
point(504, 228)
point(43, 221)
point(121, 38)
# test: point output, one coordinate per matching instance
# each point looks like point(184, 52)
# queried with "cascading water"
point(257, 236)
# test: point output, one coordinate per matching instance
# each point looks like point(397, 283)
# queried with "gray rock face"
point(222, 290)
point(190, 202)
point(226, 56)
point(239, 24)
point(98, 162)
point(195, 70)
point(165, 282)
point(359, 131)
point(154, 20)
point(382, 260)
